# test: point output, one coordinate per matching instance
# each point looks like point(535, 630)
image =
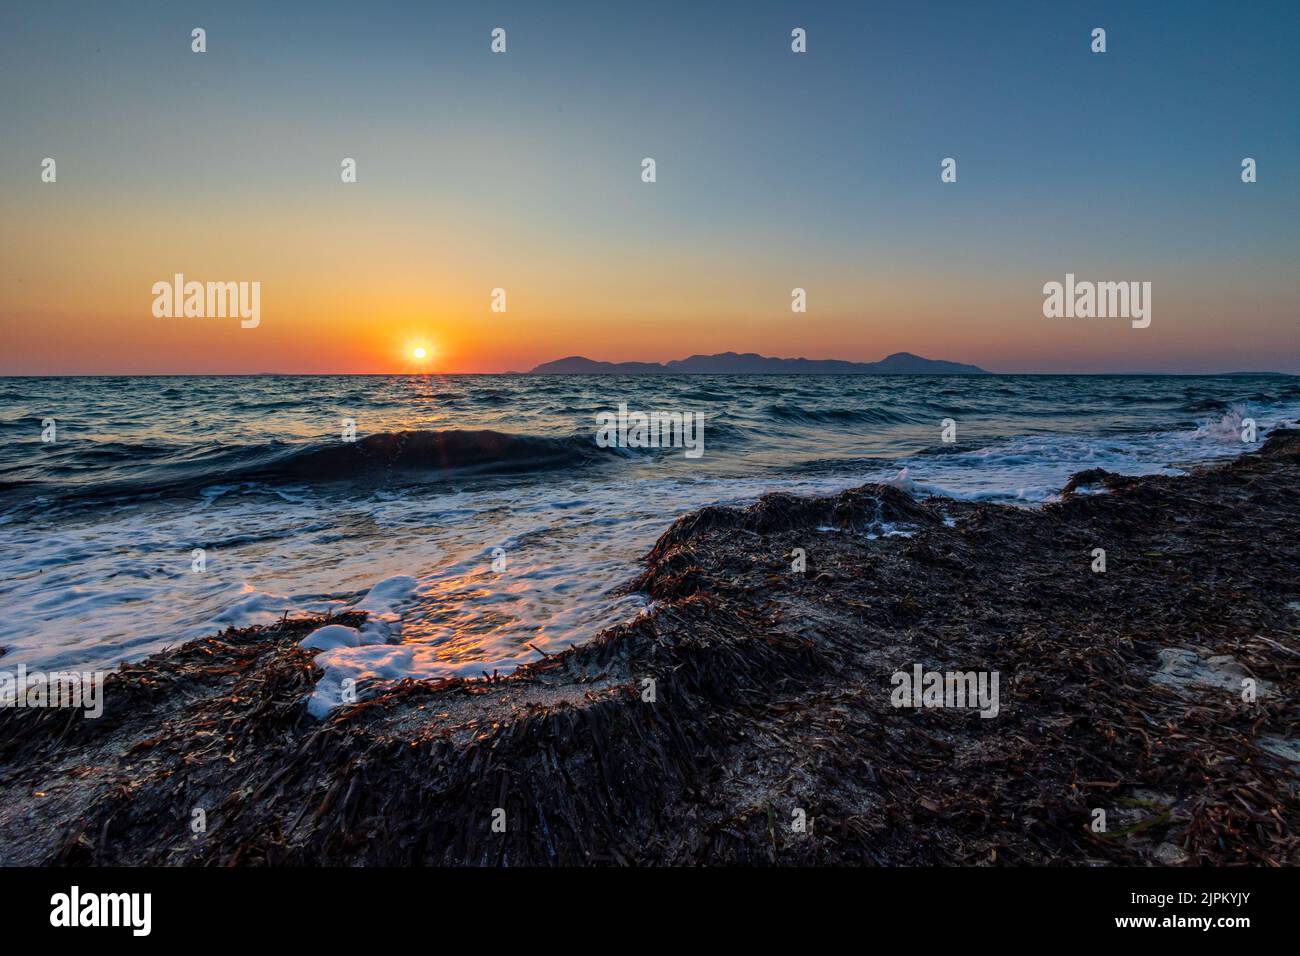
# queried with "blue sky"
point(774, 169)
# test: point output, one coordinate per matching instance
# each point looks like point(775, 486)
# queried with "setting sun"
point(418, 353)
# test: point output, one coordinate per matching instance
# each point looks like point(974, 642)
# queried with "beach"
point(480, 516)
point(445, 443)
point(748, 714)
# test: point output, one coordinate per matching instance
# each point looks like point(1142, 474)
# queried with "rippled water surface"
point(98, 529)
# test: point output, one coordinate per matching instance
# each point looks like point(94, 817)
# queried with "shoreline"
point(1120, 691)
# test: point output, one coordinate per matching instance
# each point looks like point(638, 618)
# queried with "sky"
point(522, 171)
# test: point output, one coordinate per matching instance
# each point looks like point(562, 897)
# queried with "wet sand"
point(1120, 691)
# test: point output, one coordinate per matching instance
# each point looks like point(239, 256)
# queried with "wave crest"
point(377, 457)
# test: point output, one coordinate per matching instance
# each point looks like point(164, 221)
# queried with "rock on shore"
point(1164, 691)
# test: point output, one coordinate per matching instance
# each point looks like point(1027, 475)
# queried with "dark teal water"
point(99, 527)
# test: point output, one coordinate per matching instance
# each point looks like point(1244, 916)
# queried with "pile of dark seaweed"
point(1120, 691)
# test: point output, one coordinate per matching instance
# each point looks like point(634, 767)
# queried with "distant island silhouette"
point(750, 363)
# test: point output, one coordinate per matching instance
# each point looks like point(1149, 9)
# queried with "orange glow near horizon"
point(775, 173)
point(76, 303)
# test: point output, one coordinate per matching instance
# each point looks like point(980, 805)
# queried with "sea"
point(478, 518)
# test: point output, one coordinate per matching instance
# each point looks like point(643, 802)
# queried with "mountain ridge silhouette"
point(751, 363)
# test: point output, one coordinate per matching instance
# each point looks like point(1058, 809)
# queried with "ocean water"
point(449, 474)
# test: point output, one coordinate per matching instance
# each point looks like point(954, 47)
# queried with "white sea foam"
point(88, 590)
point(330, 637)
point(1226, 429)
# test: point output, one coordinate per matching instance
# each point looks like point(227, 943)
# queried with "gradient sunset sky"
point(522, 171)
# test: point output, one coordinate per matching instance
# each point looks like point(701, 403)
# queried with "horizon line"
point(983, 374)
